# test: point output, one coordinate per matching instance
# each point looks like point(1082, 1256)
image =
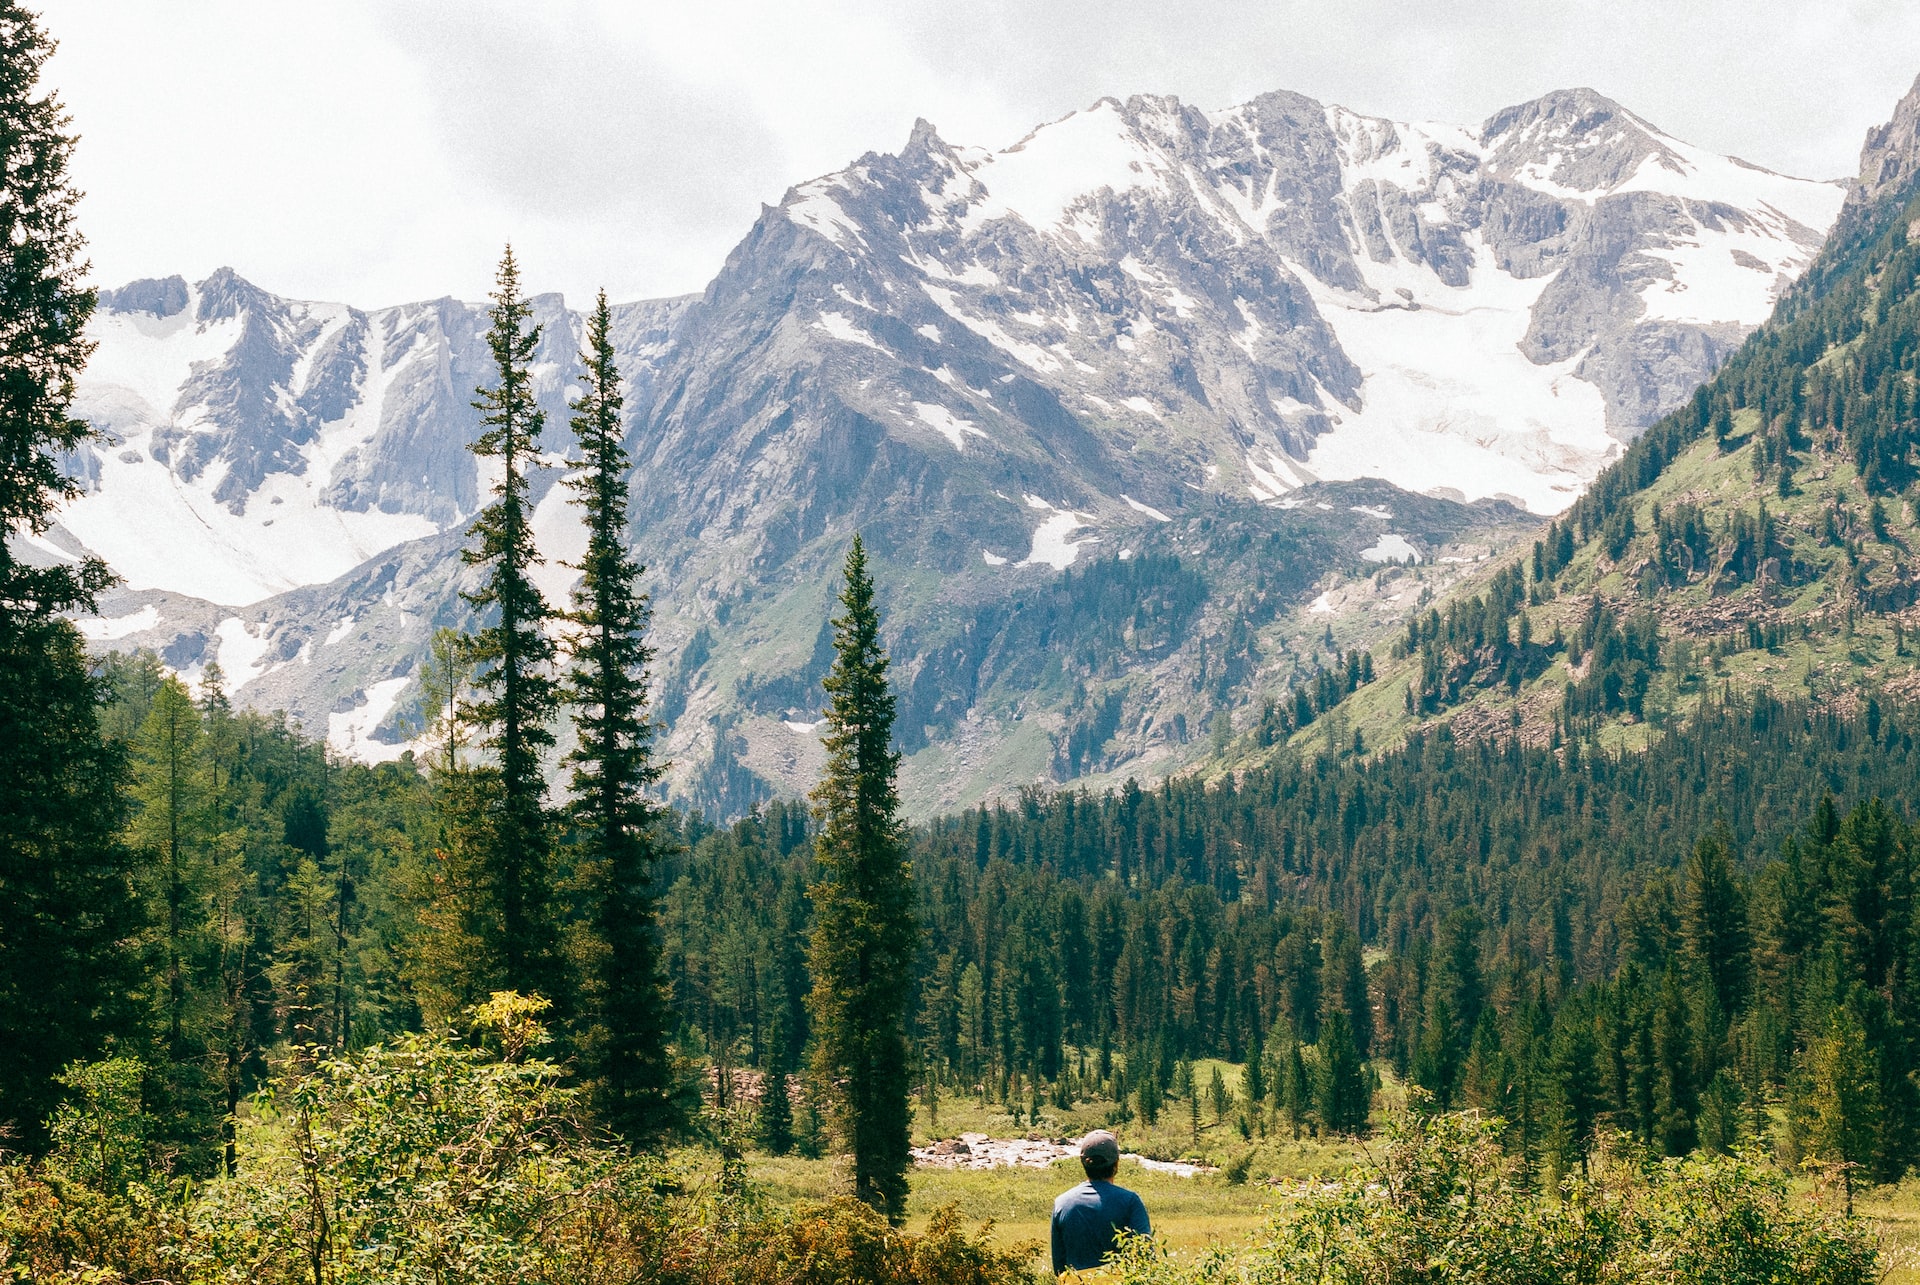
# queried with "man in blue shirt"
point(1088, 1219)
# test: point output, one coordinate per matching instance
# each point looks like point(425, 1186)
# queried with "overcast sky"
point(375, 151)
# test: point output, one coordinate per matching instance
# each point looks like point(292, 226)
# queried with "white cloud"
point(375, 150)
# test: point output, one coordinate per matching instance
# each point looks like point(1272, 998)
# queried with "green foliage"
point(623, 1020)
point(71, 968)
point(441, 1161)
point(429, 1159)
point(1342, 1091)
point(1446, 1204)
point(509, 917)
point(1620, 664)
point(68, 920)
point(44, 307)
point(865, 934)
point(101, 1135)
point(1475, 643)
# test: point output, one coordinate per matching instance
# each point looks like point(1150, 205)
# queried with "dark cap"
point(1100, 1147)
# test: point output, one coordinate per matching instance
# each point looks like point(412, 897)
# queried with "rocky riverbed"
point(981, 1151)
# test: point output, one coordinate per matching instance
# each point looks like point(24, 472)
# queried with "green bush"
point(1446, 1206)
point(439, 1160)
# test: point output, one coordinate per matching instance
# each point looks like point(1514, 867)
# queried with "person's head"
point(1100, 1154)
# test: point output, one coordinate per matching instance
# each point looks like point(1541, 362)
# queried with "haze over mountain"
point(1140, 328)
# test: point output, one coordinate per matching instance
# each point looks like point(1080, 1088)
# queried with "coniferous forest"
point(1604, 1009)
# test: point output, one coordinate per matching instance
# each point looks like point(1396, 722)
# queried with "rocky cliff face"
point(1890, 158)
point(1102, 401)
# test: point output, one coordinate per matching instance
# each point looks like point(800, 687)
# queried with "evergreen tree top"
point(45, 305)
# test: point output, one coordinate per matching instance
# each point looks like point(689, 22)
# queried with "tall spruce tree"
point(512, 915)
point(865, 934)
point(69, 916)
point(625, 1017)
point(44, 308)
point(172, 828)
point(1343, 1091)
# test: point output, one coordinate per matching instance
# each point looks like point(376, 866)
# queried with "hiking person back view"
point(1088, 1219)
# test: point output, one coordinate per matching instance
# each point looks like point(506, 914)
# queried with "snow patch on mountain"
point(160, 532)
point(1450, 400)
point(947, 424)
point(1050, 171)
point(241, 653)
point(350, 732)
point(1147, 509)
point(560, 534)
point(96, 629)
point(1391, 548)
point(1051, 545)
point(841, 327)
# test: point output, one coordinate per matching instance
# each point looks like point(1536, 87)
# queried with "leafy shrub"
point(437, 1160)
point(845, 1241)
point(1446, 1206)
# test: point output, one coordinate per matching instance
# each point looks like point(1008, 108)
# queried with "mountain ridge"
point(1215, 312)
point(1761, 537)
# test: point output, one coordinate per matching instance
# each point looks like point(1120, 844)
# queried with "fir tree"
point(44, 308)
point(775, 1123)
point(1218, 1097)
point(171, 828)
point(68, 914)
point(1842, 1107)
point(613, 769)
point(1255, 1084)
point(1296, 1085)
point(865, 934)
point(1574, 1098)
point(513, 922)
point(1343, 1091)
point(70, 921)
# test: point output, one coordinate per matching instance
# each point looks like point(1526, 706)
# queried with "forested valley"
point(1598, 995)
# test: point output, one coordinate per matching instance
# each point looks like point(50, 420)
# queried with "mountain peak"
point(161, 296)
point(1578, 105)
point(1578, 140)
point(227, 294)
point(1890, 157)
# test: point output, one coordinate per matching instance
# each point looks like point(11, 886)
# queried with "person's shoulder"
point(1071, 1196)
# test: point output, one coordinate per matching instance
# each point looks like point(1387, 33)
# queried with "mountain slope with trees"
point(1762, 536)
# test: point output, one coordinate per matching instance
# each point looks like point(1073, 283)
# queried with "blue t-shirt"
point(1086, 1220)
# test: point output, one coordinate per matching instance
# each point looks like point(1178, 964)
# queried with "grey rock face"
point(1890, 158)
point(161, 297)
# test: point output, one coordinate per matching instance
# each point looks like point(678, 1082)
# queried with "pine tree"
point(1573, 1088)
point(69, 917)
point(1343, 1091)
point(617, 824)
point(775, 1125)
point(171, 828)
point(44, 308)
point(1296, 1085)
point(865, 934)
point(1843, 1105)
point(70, 920)
point(511, 919)
point(1255, 1084)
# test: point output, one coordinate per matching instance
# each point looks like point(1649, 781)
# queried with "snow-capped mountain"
point(255, 444)
point(1244, 300)
point(1000, 365)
